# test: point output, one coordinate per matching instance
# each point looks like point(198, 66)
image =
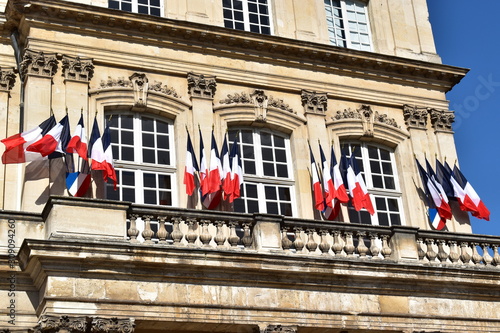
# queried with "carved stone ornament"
point(7, 79)
point(67, 324)
point(75, 68)
point(113, 83)
point(236, 98)
point(279, 328)
point(200, 85)
point(441, 120)
point(140, 85)
point(384, 119)
point(159, 87)
point(260, 101)
point(366, 115)
point(38, 63)
point(347, 114)
point(314, 102)
point(415, 117)
point(53, 324)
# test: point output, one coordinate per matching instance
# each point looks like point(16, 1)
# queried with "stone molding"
point(67, 324)
point(136, 82)
point(38, 63)
point(314, 102)
point(367, 116)
point(415, 117)
point(280, 328)
point(77, 69)
point(442, 120)
point(7, 79)
point(201, 86)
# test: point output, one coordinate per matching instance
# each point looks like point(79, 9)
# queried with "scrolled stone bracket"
point(77, 69)
point(201, 86)
point(38, 63)
point(415, 116)
point(7, 79)
point(68, 324)
point(314, 102)
point(442, 120)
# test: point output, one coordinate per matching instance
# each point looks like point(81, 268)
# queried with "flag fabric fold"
point(203, 171)
point(467, 197)
point(215, 169)
point(357, 188)
point(226, 169)
point(15, 145)
point(319, 200)
point(78, 142)
point(54, 141)
point(101, 153)
point(190, 168)
point(236, 171)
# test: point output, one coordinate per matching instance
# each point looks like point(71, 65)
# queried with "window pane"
point(375, 166)
point(282, 170)
point(247, 136)
point(127, 122)
point(127, 153)
point(380, 202)
point(395, 219)
point(165, 198)
point(162, 141)
point(389, 183)
point(383, 219)
point(149, 180)
point(150, 197)
point(148, 140)
point(279, 141)
point(163, 157)
point(127, 178)
point(286, 209)
point(267, 154)
point(128, 194)
point(387, 167)
point(377, 182)
point(148, 156)
point(284, 193)
point(248, 152)
point(280, 156)
point(164, 181)
point(253, 206)
point(265, 139)
point(268, 169)
point(272, 208)
point(251, 191)
point(393, 205)
point(249, 167)
point(271, 193)
point(127, 138)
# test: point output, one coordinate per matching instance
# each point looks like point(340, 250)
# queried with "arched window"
point(143, 152)
point(348, 25)
point(377, 165)
point(267, 172)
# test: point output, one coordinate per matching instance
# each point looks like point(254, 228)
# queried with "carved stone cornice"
point(415, 117)
point(233, 43)
point(201, 86)
point(7, 79)
point(78, 69)
point(314, 102)
point(164, 89)
point(121, 82)
point(367, 117)
point(53, 324)
point(384, 119)
point(38, 63)
point(280, 328)
point(112, 325)
point(441, 120)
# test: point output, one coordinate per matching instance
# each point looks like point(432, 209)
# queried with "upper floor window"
point(347, 22)
point(379, 172)
point(144, 159)
point(247, 15)
point(268, 185)
point(150, 7)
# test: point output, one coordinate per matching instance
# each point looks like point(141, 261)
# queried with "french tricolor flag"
point(15, 145)
point(319, 201)
point(226, 170)
point(54, 141)
point(215, 170)
point(357, 188)
point(77, 183)
point(435, 200)
point(332, 208)
point(338, 183)
point(190, 168)
point(203, 168)
point(467, 197)
point(78, 143)
point(101, 153)
point(236, 171)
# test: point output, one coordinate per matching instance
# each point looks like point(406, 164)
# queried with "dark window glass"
point(127, 138)
point(249, 167)
point(148, 140)
point(149, 180)
point(272, 208)
point(127, 153)
point(148, 156)
point(268, 169)
point(150, 197)
point(271, 193)
point(163, 157)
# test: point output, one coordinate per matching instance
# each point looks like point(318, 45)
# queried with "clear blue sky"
point(468, 35)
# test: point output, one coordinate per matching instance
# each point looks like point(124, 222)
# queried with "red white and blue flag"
point(101, 153)
point(236, 171)
point(226, 169)
point(203, 168)
point(467, 197)
point(332, 207)
point(190, 168)
point(357, 188)
point(78, 143)
point(78, 182)
point(215, 169)
point(53, 142)
point(15, 145)
point(435, 200)
point(319, 200)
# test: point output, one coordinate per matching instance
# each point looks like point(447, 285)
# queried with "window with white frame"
point(150, 7)
point(144, 159)
point(247, 15)
point(348, 24)
point(268, 185)
point(378, 168)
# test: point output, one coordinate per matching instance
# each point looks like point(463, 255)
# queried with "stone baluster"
point(386, 250)
point(205, 236)
point(147, 234)
point(191, 235)
point(454, 255)
point(324, 246)
point(430, 253)
point(286, 243)
point(311, 243)
point(133, 232)
point(176, 231)
point(374, 249)
point(487, 259)
point(349, 244)
point(476, 257)
point(496, 255)
point(247, 236)
point(162, 231)
point(465, 257)
point(442, 255)
point(420, 249)
point(362, 248)
point(220, 238)
point(298, 242)
point(338, 244)
point(233, 237)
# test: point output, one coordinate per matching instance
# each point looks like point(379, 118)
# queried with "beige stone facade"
point(97, 265)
